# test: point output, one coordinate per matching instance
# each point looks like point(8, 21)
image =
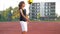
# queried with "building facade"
point(34, 9)
point(46, 10)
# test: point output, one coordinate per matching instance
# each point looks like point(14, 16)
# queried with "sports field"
point(33, 28)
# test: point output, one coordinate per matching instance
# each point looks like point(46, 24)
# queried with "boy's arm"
point(27, 16)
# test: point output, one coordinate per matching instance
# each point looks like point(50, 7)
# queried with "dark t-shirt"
point(21, 17)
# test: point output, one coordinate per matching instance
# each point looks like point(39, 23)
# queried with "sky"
point(14, 3)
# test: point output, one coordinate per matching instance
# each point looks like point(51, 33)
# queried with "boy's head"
point(21, 4)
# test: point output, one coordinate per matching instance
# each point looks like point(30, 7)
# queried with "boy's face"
point(23, 5)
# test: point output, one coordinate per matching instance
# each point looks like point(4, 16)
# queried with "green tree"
point(38, 15)
point(16, 13)
point(6, 12)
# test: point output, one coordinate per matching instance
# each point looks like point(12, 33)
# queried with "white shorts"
point(23, 25)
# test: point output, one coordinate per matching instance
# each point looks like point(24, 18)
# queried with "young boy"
point(23, 18)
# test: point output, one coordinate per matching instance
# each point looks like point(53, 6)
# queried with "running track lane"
point(34, 28)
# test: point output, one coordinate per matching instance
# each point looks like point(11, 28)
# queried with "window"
point(52, 10)
point(38, 10)
point(33, 10)
point(38, 4)
point(33, 14)
point(33, 4)
point(33, 7)
point(38, 7)
point(53, 7)
point(52, 13)
point(53, 3)
point(46, 7)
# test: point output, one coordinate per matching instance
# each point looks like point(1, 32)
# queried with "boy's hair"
point(20, 4)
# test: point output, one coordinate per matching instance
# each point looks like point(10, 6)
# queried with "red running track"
point(34, 28)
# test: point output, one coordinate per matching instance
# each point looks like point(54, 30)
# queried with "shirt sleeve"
point(20, 10)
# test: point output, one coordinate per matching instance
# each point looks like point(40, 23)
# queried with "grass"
point(32, 21)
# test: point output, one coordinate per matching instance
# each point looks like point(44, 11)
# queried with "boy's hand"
point(28, 20)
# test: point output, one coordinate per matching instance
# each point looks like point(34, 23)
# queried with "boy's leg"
point(24, 32)
point(24, 27)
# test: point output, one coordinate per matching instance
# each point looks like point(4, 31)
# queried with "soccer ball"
point(30, 1)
